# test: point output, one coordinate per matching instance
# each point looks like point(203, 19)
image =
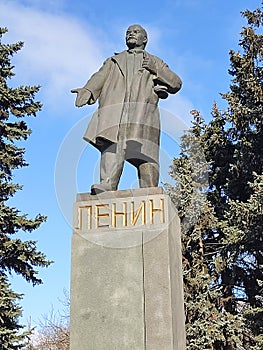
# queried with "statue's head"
point(136, 36)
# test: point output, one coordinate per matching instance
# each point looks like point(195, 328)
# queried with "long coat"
point(135, 119)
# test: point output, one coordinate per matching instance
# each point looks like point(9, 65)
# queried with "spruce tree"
point(208, 326)
point(223, 250)
point(16, 256)
point(235, 189)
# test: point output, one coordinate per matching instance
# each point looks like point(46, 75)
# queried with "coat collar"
point(120, 59)
point(136, 50)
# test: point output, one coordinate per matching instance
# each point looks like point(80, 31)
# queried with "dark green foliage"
point(17, 256)
point(208, 326)
point(9, 314)
point(222, 218)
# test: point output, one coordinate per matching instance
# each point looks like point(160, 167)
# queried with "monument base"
point(126, 275)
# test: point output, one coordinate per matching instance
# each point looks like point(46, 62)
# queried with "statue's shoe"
point(99, 188)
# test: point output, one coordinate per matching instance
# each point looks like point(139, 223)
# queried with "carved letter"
point(82, 218)
point(155, 210)
point(141, 210)
point(114, 215)
point(99, 215)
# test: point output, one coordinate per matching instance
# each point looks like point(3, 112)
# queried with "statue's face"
point(135, 37)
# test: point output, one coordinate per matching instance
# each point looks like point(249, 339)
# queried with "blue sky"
point(65, 42)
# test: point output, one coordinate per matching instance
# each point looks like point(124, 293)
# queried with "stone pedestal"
point(126, 275)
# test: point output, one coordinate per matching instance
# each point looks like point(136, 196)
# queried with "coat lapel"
point(120, 59)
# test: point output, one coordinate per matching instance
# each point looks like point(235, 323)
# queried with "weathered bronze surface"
point(126, 125)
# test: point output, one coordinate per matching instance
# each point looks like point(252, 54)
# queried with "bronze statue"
point(126, 125)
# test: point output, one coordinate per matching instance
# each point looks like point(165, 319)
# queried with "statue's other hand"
point(83, 96)
point(149, 64)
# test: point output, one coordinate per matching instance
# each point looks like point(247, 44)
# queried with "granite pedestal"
point(126, 275)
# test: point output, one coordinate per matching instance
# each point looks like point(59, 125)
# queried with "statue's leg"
point(111, 166)
point(148, 174)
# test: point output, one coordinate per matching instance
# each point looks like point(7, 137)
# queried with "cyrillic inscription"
point(119, 214)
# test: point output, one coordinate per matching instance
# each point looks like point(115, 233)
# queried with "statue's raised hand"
point(83, 96)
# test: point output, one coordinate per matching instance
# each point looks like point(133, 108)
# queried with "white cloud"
point(60, 52)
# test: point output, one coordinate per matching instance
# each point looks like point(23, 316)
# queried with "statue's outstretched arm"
point(83, 96)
